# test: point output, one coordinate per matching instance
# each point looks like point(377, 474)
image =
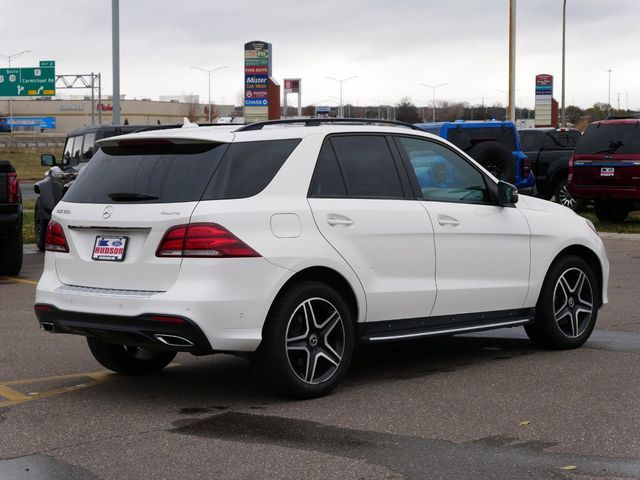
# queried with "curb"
point(619, 236)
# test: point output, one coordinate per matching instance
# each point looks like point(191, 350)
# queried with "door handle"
point(336, 220)
point(447, 221)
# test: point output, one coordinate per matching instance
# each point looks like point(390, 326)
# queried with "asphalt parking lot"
point(471, 407)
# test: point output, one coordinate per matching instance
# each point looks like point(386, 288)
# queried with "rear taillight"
point(526, 168)
point(55, 241)
point(13, 188)
point(203, 240)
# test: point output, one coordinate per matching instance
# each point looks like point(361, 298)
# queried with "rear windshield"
point(170, 173)
point(610, 138)
point(465, 138)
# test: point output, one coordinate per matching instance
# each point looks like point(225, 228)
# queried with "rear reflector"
point(55, 241)
point(203, 240)
point(43, 308)
point(167, 319)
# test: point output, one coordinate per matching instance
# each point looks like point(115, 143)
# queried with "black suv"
point(78, 150)
point(10, 220)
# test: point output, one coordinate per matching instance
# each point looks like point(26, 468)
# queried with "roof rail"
point(317, 121)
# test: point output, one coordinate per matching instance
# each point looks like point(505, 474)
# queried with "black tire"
point(562, 321)
point(39, 225)
point(313, 363)
point(129, 360)
point(496, 158)
point(562, 196)
point(611, 211)
point(11, 254)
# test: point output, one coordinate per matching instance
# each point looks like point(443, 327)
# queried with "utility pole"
point(512, 61)
point(563, 120)
point(115, 49)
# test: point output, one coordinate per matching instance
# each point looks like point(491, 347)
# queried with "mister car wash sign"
point(257, 70)
point(29, 82)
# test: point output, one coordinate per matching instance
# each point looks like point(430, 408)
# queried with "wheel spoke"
point(330, 354)
point(574, 325)
point(579, 283)
point(297, 343)
point(563, 312)
point(312, 363)
point(330, 323)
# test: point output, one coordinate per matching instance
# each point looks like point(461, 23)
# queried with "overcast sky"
point(391, 45)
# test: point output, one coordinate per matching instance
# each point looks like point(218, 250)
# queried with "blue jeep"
point(493, 144)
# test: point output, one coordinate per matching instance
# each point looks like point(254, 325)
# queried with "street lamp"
point(209, 72)
point(341, 81)
point(609, 101)
point(433, 90)
point(9, 58)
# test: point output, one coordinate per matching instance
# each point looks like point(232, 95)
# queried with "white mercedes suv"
point(293, 242)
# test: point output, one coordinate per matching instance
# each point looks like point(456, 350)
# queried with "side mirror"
point(48, 160)
point(507, 194)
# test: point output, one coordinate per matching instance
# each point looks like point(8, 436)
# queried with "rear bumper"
point(147, 331)
point(594, 192)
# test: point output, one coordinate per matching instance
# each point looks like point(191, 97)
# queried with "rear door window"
point(68, 150)
point(610, 138)
point(466, 138)
point(368, 166)
point(529, 141)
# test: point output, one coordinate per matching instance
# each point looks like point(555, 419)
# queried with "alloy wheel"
point(315, 340)
point(565, 198)
point(573, 302)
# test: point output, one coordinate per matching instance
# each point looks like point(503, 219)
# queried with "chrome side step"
point(451, 331)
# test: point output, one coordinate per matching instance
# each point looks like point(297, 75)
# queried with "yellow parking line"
point(14, 397)
point(19, 280)
point(25, 381)
point(11, 394)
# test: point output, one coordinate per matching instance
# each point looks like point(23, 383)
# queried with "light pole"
point(564, 28)
point(9, 58)
point(209, 72)
point(433, 91)
point(609, 101)
point(341, 81)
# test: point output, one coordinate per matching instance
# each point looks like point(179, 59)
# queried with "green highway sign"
point(28, 82)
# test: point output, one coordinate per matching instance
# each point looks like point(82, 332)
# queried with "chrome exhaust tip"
point(47, 326)
point(173, 340)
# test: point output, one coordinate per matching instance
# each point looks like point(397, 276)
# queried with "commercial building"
point(70, 114)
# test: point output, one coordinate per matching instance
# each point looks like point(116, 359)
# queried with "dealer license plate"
point(109, 249)
point(607, 171)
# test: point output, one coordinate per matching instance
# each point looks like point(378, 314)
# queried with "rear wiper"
point(613, 146)
point(131, 197)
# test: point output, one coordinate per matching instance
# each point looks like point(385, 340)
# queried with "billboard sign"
point(544, 97)
point(257, 70)
point(544, 84)
point(291, 85)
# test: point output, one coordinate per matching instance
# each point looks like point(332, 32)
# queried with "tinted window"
point(170, 173)
point(87, 147)
point(248, 167)
point(611, 138)
point(442, 174)
point(465, 138)
point(561, 140)
point(68, 150)
point(368, 167)
point(327, 179)
point(529, 141)
point(77, 149)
